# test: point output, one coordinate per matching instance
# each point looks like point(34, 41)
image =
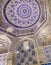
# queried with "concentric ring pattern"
point(22, 13)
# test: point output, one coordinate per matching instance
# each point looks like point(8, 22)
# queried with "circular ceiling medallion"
point(22, 13)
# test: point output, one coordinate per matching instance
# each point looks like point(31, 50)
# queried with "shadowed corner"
point(0, 18)
point(1, 21)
